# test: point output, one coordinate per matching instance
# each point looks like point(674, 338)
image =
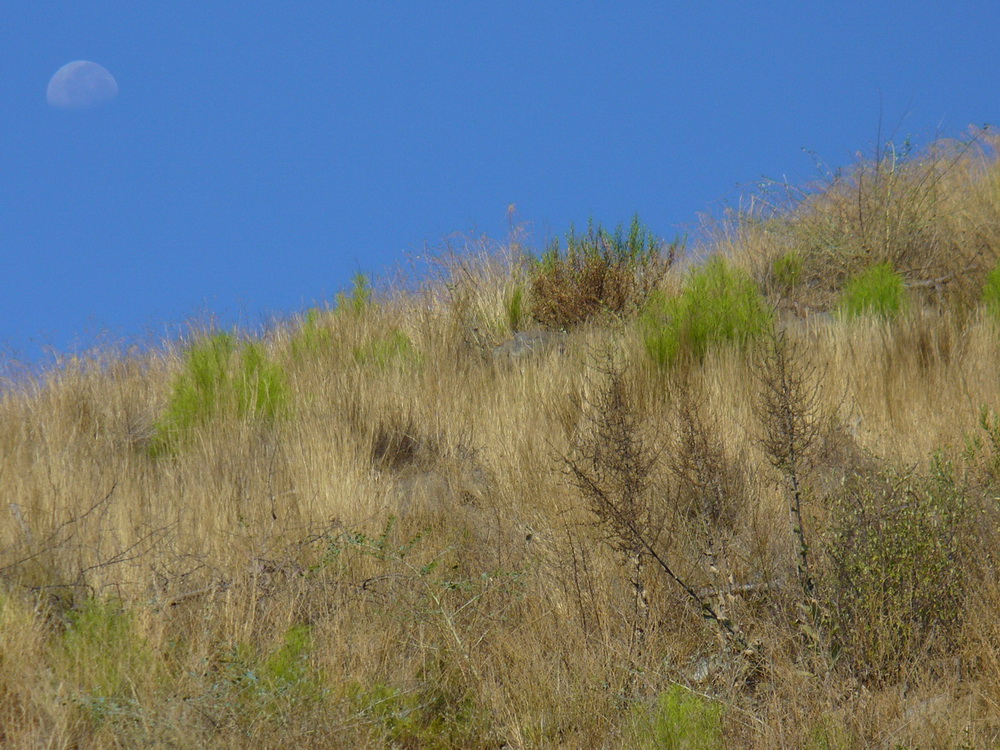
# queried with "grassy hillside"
point(599, 496)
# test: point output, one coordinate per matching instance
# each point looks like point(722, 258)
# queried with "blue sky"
point(260, 153)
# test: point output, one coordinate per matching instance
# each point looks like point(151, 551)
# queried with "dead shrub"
point(612, 468)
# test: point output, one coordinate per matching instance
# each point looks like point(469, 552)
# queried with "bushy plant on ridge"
point(599, 272)
point(720, 304)
point(213, 385)
point(877, 291)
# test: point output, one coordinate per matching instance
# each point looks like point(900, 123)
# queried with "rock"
point(527, 344)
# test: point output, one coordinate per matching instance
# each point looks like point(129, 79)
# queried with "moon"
point(80, 85)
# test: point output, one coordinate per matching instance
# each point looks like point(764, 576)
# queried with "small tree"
point(788, 409)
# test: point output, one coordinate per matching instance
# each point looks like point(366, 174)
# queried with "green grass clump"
point(680, 720)
point(788, 269)
point(991, 293)
point(877, 291)
point(360, 297)
point(720, 304)
point(516, 309)
point(392, 350)
point(102, 657)
point(312, 337)
point(216, 382)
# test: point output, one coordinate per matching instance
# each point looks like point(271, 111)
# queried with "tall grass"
point(929, 213)
point(405, 558)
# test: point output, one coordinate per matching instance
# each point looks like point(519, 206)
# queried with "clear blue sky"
point(259, 153)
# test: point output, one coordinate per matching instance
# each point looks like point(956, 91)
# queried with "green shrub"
point(718, 305)
point(211, 386)
point(788, 269)
point(894, 585)
point(878, 291)
point(427, 717)
point(600, 272)
point(991, 292)
point(360, 298)
point(680, 720)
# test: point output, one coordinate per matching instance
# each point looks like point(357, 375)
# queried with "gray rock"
point(527, 344)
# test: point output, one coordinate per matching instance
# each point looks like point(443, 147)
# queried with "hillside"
point(598, 495)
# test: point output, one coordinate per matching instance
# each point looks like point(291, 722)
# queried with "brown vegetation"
point(787, 544)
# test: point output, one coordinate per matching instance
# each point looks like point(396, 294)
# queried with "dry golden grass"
point(933, 215)
point(404, 561)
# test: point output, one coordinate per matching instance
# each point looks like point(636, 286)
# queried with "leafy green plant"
point(393, 349)
point(877, 291)
point(680, 720)
point(991, 292)
point(211, 385)
point(720, 304)
point(600, 272)
point(894, 586)
point(275, 684)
